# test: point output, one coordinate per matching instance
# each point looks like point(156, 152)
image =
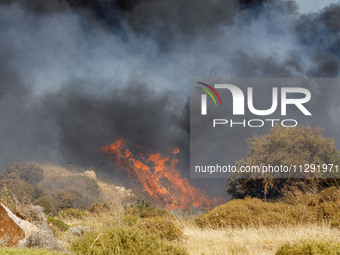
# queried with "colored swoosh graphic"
point(212, 89)
point(208, 92)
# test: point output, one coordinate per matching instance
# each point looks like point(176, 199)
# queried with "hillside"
point(55, 188)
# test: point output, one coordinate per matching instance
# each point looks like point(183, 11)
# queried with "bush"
point(100, 207)
point(6, 199)
point(164, 228)
point(310, 248)
point(57, 224)
point(47, 203)
point(43, 238)
point(31, 173)
point(123, 240)
point(130, 220)
point(31, 213)
point(335, 221)
point(145, 209)
point(326, 203)
point(155, 212)
point(88, 185)
point(297, 207)
point(72, 213)
point(66, 199)
point(18, 189)
point(254, 212)
point(72, 191)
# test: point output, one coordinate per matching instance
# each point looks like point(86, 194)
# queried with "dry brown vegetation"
point(56, 188)
point(254, 226)
point(298, 208)
point(251, 234)
point(253, 240)
point(299, 223)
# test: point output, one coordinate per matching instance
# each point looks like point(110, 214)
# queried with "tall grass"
point(310, 248)
point(263, 240)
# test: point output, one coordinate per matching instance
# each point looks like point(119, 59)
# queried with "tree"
point(285, 146)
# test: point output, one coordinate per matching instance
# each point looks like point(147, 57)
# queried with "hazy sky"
point(314, 5)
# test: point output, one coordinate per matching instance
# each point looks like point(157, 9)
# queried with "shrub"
point(155, 212)
point(130, 220)
point(145, 209)
point(164, 228)
point(18, 189)
point(31, 213)
point(57, 224)
point(99, 207)
point(31, 173)
point(72, 191)
point(66, 199)
point(310, 248)
point(335, 221)
point(72, 213)
point(84, 183)
point(44, 238)
point(326, 203)
point(6, 199)
point(254, 212)
point(123, 240)
point(47, 203)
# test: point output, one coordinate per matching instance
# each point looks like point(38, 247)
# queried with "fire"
point(175, 151)
point(158, 176)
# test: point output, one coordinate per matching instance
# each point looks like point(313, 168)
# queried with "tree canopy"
point(285, 146)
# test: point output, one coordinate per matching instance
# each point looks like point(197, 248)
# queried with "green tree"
point(285, 146)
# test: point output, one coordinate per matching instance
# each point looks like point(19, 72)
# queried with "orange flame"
point(162, 181)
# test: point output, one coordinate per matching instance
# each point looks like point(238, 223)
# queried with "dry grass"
point(195, 240)
point(310, 247)
point(251, 240)
point(125, 240)
point(89, 222)
point(27, 251)
point(297, 208)
point(243, 235)
point(255, 212)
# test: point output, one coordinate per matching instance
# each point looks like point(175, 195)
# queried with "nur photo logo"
point(281, 97)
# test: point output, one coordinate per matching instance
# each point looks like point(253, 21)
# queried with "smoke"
point(75, 75)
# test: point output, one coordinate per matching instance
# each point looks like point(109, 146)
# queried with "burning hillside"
point(158, 176)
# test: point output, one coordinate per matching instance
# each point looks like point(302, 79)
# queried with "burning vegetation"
point(158, 176)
